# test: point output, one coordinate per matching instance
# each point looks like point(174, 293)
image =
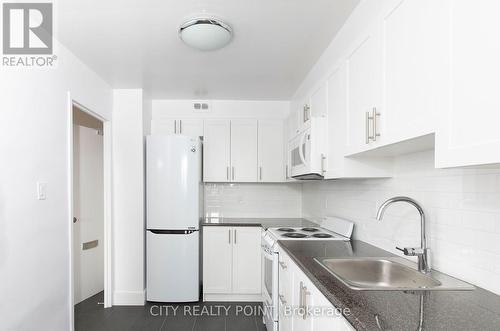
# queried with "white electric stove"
point(332, 229)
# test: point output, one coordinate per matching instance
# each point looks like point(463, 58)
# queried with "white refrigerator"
point(173, 207)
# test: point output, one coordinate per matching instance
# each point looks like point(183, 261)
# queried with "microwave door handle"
point(301, 151)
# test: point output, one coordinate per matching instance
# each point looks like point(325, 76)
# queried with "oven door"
point(270, 287)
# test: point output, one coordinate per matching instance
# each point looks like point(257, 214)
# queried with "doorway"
point(88, 205)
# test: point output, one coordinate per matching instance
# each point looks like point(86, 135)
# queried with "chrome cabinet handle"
point(229, 236)
point(260, 173)
point(175, 126)
point(233, 173)
point(367, 128)
point(368, 118)
point(282, 265)
point(227, 172)
point(323, 159)
point(235, 236)
point(286, 172)
point(375, 116)
point(301, 297)
point(180, 126)
point(75, 219)
point(304, 293)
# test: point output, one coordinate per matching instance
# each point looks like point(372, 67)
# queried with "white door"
point(469, 130)
point(247, 260)
point(364, 90)
point(217, 151)
point(190, 127)
point(88, 205)
point(217, 259)
point(271, 150)
point(244, 150)
point(172, 266)
point(164, 126)
point(173, 182)
point(415, 63)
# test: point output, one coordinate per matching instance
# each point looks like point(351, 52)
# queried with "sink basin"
point(387, 274)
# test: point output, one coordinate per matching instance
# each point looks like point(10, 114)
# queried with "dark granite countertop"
point(395, 310)
point(262, 222)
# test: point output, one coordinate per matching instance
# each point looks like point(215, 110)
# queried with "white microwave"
point(306, 153)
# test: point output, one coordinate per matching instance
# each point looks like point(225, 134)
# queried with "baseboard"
point(232, 297)
point(129, 298)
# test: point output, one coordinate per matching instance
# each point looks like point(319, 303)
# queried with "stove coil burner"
point(286, 230)
point(322, 235)
point(295, 235)
point(310, 229)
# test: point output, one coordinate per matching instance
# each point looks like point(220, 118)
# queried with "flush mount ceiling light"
point(205, 33)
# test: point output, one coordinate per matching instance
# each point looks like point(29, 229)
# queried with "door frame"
point(107, 176)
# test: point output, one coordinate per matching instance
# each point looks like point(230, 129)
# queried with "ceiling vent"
point(201, 106)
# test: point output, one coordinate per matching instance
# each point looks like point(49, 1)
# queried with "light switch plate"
point(41, 189)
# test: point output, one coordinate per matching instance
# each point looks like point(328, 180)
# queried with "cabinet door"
point(217, 259)
point(285, 292)
point(164, 126)
point(270, 150)
point(364, 90)
point(328, 318)
point(216, 151)
point(319, 101)
point(247, 260)
point(301, 321)
point(469, 133)
point(244, 150)
point(415, 61)
point(191, 127)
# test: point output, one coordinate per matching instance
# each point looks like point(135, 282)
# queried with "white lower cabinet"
point(231, 263)
point(302, 306)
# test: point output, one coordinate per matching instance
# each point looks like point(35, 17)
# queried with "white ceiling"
point(134, 44)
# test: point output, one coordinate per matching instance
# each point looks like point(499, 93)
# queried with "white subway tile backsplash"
point(462, 205)
point(253, 200)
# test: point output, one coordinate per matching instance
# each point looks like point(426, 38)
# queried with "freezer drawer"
point(172, 266)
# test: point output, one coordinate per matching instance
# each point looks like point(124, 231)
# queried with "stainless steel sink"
point(387, 273)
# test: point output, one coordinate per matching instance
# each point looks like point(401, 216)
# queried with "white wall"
point(34, 146)
point(463, 208)
point(253, 200)
point(222, 109)
point(128, 198)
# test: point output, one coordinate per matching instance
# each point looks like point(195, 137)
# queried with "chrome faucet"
point(422, 253)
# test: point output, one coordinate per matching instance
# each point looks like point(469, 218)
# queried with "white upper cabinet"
point(414, 68)
point(339, 166)
point(190, 127)
point(217, 151)
point(365, 81)
point(469, 134)
point(270, 151)
point(319, 101)
point(164, 126)
point(244, 150)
